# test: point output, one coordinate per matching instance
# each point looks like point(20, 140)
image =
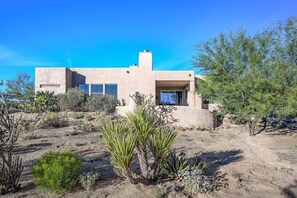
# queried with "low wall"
point(192, 117)
point(186, 116)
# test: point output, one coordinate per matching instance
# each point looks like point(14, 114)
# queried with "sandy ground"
point(260, 166)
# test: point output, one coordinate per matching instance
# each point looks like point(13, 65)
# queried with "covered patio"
point(172, 92)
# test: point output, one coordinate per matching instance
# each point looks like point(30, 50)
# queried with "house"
point(167, 87)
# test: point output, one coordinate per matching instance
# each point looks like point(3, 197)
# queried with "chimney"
point(145, 60)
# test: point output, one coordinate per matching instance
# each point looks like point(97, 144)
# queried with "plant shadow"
point(216, 159)
point(18, 150)
point(291, 190)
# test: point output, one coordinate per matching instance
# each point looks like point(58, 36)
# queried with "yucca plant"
point(120, 144)
point(144, 132)
point(160, 144)
point(143, 123)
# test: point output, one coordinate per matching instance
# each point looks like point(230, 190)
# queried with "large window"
point(171, 97)
point(84, 87)
point(96, 88)
point(111, 89)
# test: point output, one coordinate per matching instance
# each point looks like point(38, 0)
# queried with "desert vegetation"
point(75, 145)
point(252, 77)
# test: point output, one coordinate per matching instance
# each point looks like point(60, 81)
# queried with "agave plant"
point(175, 165)
point(120, 144)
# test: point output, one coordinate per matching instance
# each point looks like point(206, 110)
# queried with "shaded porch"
point(172, 93)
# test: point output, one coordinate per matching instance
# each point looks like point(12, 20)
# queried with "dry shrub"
point(53, 120)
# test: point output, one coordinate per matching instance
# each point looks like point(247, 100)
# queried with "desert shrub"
point(101, 103)
point(27, 127)
point(86, 127)
point(193, 174)
point(27, 108)
point(76, 131)
point(73, 100)
point(88, 178)
point(46, 101)
point(10, 165)
point(57, 172)
point(89, 127)
point(89, 117)
point(53, 120)
point(77, 115)
point(196, 180)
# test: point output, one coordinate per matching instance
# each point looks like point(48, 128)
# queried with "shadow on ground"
point(215, 160)
point(18, 150)
point(291, 190)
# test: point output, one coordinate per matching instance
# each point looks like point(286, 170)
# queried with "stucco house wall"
point(56, 80)
point(141, 78)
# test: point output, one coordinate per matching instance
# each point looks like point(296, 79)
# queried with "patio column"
point(192, 94)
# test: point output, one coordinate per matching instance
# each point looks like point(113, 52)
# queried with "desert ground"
point(260, 166)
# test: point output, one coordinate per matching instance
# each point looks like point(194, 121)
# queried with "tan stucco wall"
point(142, 79)
point(131, 79)
point(52, 76)
point(193, 117)
point(186, 116)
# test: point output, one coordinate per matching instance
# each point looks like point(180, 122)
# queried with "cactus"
point(10, 165)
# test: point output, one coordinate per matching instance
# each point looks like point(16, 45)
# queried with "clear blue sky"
point(94, 33)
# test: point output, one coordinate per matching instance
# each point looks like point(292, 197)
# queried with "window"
point(49, 85)
point(111, 89)
point(96, 88)
point(84, 87)
point(171, 97)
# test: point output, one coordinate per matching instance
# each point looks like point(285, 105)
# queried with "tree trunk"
point(251, 125)
point(143, 161)
point(264, 125)
point(131, 178)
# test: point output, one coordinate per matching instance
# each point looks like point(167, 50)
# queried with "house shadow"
point(78, 79)
point(291, 190)
point(215, 160)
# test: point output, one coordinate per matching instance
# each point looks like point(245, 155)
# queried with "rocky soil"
point(260, 166)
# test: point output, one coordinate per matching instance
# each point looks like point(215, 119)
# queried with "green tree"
point(251, 77)
point(21, 88)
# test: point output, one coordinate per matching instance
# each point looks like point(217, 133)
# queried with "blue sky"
point(110, 33)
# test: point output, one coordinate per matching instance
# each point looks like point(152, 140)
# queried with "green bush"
point(73, 100)
point(46, 101)
point(101, 103)
point(57, 172)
